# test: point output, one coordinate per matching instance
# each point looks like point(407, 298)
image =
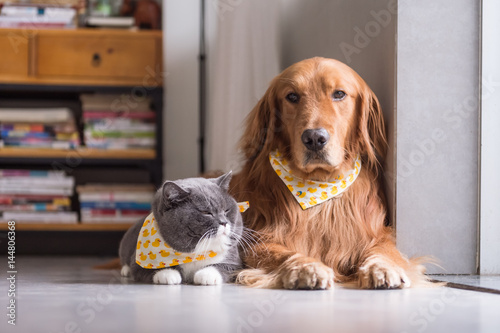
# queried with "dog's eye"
point(338, 95)
point(292, 98)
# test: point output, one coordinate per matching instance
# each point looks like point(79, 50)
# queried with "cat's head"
point(198, 211)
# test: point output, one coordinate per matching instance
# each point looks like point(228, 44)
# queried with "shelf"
point(36, 226)
point(84, 153)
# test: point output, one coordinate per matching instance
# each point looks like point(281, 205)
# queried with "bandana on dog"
point(153, 252)
point(310, 193)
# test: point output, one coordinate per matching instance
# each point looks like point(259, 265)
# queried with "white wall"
point(490, 138)
point(180, 51)
point(437, 131)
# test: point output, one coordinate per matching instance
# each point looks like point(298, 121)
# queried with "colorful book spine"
point(38, 207)
point(116, 205)
point(30, 173)
point(110, 114)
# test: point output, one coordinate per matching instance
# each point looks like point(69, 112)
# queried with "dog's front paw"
point(381, 273)
point(167, 276)
point(306, 273)
point(207, 276)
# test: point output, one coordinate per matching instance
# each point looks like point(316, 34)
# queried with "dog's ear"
point(372, 133)
point(260, 125)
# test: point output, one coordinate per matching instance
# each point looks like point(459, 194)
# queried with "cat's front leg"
point(208, 276)
point(167, 276)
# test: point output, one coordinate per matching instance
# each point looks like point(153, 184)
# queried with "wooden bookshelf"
point(52, 68)
point(80, 153)
point(37, 226)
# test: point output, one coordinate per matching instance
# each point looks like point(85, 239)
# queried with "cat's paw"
point(167, 276)
point(125, 272)
point(208, 276)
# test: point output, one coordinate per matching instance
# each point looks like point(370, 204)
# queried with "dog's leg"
point(275, 266)
point(384, 267)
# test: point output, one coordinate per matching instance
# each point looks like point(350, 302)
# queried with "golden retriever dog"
point(320, 115)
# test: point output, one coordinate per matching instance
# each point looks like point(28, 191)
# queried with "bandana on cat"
point(153, 252)
point(309, 193)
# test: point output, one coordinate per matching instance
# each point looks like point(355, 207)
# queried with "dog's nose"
point(315, 139)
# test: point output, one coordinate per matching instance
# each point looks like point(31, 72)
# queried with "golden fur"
point(344, 239)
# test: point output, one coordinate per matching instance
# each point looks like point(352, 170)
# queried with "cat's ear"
point(224, 180)
point(173, 193)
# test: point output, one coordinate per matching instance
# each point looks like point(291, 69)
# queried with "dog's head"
point(320, 114)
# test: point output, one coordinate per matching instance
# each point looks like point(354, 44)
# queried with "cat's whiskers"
point(246, 246)
point(244, 240)
point(201, 240)
point(205, 246)
point(251, 238)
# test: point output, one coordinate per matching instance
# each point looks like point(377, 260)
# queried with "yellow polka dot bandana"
point(153, 252)
point(310, 193)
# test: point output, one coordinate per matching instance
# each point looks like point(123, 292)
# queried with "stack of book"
point(116, 122)
point(36, 196)
point(39, 14)
point(38, 128)
point(119, 203)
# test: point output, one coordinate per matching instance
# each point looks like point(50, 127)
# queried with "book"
point(45, 217)
point(37, 16)
point(20, 199)
point(68, 182)
point(53, 128)
point(35, 190)
point(111, 219)
point(36, 196)
point(127, 205)
point(120, 143)
point(110, 22)
point(37, 207)
point(116, 196)
point(114, 103)
point(111, 215)
point(110, 188)
point(60, 3)
point(31, 173)
point(66, 127)
point(44, 116)
point(104, 115)
point(115, 202)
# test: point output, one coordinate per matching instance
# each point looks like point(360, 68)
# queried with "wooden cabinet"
point(13, 57)
point(81, 56)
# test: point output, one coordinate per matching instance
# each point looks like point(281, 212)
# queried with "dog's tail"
point(416, 272)
point(259, 278)
point(112, 264)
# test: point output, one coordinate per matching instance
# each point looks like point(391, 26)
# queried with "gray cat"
point(193, 215)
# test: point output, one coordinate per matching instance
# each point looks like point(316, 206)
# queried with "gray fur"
point(179, 208)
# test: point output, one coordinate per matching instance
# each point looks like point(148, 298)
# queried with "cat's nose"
point(223, 223)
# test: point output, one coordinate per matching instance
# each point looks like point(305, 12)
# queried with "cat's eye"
point(227, 211)
point(206, 212)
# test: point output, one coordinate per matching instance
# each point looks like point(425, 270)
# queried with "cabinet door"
point(13, 56)
point(96, 57)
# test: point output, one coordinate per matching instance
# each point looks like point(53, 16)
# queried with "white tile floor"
point(67, 295)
